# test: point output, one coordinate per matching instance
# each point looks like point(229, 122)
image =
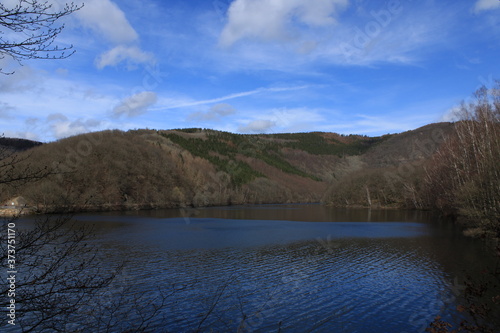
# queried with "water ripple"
point(334, 284)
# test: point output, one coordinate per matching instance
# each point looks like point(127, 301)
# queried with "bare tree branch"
point(28, 30)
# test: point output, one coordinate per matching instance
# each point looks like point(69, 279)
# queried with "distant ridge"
point(142, 169)
point(14, 144)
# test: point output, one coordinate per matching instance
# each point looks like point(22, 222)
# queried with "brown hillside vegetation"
point(145, 169)
point(408, 147)
point(392, 173)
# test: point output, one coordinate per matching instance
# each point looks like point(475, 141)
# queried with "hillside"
point(408, 147)
point(393, 172)
point(10, 145)
point(184, 167)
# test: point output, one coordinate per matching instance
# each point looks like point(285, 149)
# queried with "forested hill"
point(149, 168)
point(16, 145)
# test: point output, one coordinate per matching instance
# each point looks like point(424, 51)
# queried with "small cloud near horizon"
point(257, 126)
point(216, 111)
point(62, 127)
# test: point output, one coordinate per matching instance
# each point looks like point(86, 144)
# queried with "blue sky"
point(255, 66)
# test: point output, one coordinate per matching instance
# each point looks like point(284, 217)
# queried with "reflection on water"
point(294, 267)
point(308, 212)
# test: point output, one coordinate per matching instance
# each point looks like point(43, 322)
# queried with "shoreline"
point(16, 211)
point(468, 229)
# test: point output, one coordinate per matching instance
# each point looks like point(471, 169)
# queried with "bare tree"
point(29, 28)
point(58, 274)
point(464, 174)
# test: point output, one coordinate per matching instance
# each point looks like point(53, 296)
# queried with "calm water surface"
point(294, 268)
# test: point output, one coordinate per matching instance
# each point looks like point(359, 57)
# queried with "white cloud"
point(378, 124)
point(215, 112)
point(381, 33)
point(57, 117)
point(62, 71)
point(136, 104)
point(257, 126)
point(106, 18)
point(282, 120)
point(271, 20)
point(22, 79)
point(62, 127)
point(451, 115)
point(22, 135)
point(400, 35)
point(482, 5)
point(108, 21)
point(10, 3)
point(131, 54)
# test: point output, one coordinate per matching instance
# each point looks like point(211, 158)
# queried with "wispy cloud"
point(21, 134)
point(5, 110)
point(24, 79)
point(257, 126)
point(379, 124)
point(135, 105)
point(387, 37)
point(132, 55)
point(60, 126)
point(391, 32)
point(65, 128)
point(281, 120)
point(451, 115)
point(215, 112)
point(483, 5)
point(178, 103)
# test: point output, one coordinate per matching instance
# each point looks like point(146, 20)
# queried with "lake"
point(289, 268)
